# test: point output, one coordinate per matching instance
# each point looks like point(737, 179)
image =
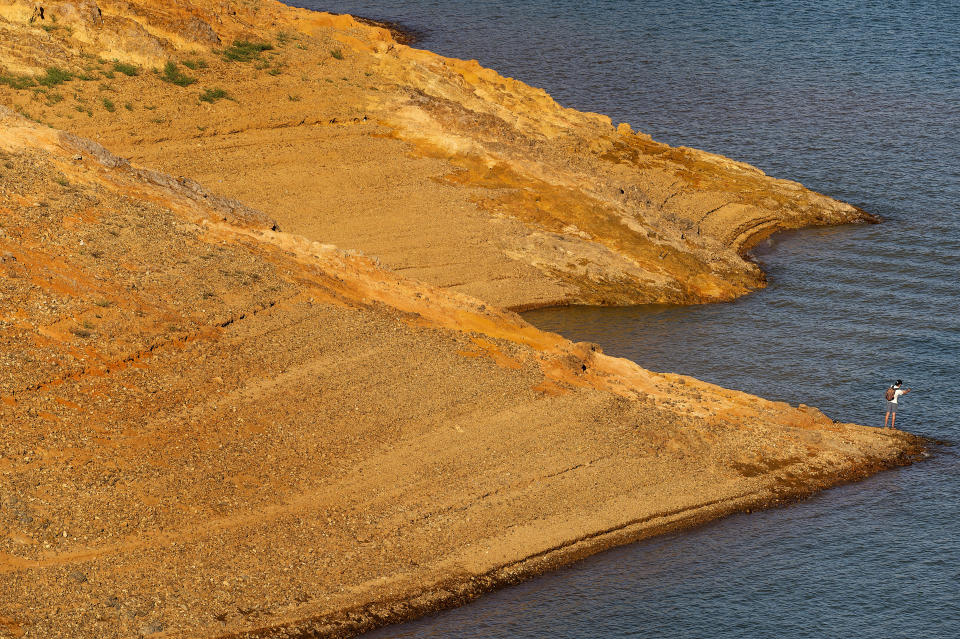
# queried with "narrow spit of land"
point(216, 423)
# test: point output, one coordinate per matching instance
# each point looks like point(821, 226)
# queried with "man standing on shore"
point(892, 395)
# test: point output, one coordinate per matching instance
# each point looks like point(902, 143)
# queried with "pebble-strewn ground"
point(440, 168)
point(212, 424)
point(212, 427)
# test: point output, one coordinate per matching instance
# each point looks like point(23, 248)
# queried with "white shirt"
point(896, 395)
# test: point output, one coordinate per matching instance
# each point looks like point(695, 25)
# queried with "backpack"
point(890, 394)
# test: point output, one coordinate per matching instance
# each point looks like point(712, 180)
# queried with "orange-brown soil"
point(444, 170)
point(216, 423)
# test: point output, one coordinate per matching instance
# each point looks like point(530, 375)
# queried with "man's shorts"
point(891, 406)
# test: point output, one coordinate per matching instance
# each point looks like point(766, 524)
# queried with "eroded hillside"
point(213, 428)
point(219, 419)
point(442, 169)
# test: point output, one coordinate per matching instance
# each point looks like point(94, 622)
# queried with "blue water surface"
point(859, 100)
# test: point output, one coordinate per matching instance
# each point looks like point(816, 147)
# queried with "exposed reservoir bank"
point(854, 101)
point(259, 379)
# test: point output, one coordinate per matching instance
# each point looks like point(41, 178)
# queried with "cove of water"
point(857, 100)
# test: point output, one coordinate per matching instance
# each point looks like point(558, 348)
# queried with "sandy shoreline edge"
point(453, 593)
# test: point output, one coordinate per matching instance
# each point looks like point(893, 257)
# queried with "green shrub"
point(108, 105)
point(195, 64)
point(128, 106)
point(337, 54)
point(212, 95)
point(17, 81)
point(245, 51)
point(126, 69)
point(54, 76)
point(173, 75)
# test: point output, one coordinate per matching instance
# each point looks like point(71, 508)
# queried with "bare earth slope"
point(216, 423)
point(211, 428)
point(444, 170)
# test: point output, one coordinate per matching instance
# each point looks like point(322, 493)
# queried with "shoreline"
point(294, 440)
point(454, 593)
point(402, 33)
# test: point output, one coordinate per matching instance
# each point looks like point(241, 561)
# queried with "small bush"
point(195, 64)
point(337, 54)
point(212, 95)
point(173, 75)
point(108, 105)
point(128, 106)
point(54, 98)
point(294, 98)
point(17, 81)
point(126, 69)
point(245, 51)
point(54, 76)
point(275, 71)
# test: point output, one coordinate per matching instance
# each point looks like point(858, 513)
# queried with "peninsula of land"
point(259, 376)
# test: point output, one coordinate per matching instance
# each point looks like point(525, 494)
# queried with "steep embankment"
point(212, 428)
point(442, 169)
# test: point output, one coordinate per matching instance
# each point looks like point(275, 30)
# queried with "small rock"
point(112, 601)
point(151, 629)
point(78, 577)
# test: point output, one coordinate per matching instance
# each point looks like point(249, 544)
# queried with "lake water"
point(857, 100)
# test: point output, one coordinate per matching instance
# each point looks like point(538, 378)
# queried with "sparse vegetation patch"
point(17, 81)
point(245, 50)
point(126, 69)
point(172, 74)
point(212, 95)
point(54, 76)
